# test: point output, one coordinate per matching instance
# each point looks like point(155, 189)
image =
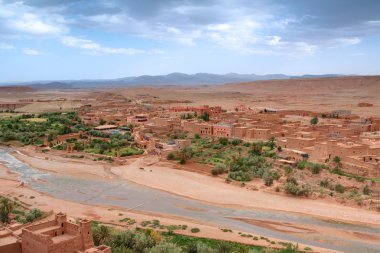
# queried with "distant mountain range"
point(170, 79)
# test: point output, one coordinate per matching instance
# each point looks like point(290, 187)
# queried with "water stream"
point(127, 194)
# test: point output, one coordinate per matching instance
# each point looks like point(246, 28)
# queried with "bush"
point(324, 183)
point(366, 190)
point(267, 177)
point(165, 248)
point(288, 170)
point(314, 121)
point(339, 188)
point(33, 215)
point(142, 242)
point(293, 188)
point(236, 142)
point(170, 156)
point(219, 169)
point(316, 168)
point(337, 159)
point(223, 141)
point(195, 230)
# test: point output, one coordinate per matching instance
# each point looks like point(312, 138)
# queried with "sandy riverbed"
point(159, 175)
point(12, 188)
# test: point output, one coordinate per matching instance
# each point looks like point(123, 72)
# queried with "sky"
point(97, 39)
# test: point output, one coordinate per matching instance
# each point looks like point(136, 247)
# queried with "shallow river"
point(127, 194)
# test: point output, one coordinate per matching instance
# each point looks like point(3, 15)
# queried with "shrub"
point(337, 159)
point(165, 248)
point(170, 156)
point(142, 242)
point(195, 230)
point(324, 183)
point(223, 141)
point(267, 177)
point(295, 189)
point(366, 190)
point(219, 169)
point(288, 170)
point(33, 215)
point(301, 164)
point(314, 121)
point(316, 168)
point(339, 188)
point(236, 142)
point(182, 160)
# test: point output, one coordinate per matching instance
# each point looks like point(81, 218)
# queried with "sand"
point(161, 175)
point(110, 215)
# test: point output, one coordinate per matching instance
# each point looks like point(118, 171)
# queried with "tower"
point(86, 234)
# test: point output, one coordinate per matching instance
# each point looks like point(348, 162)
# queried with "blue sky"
point(83, 39)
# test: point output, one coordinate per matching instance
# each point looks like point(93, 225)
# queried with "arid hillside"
point(317, 94)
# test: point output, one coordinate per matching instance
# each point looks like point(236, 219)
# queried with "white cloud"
point(5, 46)
point(238, 36)
point(345, 41)
point(30, 51)
point(93, 47)
point(31, 23)
point(19, 19)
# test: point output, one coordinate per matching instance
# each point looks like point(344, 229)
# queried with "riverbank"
point(112, 215)
point(149, 171)
point(159, 175)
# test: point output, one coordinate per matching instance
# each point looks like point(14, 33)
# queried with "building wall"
point(11, 248)
point(33, 243)
point(240, 132)
point(221, 131)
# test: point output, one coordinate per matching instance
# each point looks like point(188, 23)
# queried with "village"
point(331, 156)
point(316, 136)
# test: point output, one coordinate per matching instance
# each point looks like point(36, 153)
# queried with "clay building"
point(222, 130)
point(55, 236)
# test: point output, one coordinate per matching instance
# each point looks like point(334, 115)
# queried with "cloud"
point(19, 19)
point(31, 23)
point(5, 46)
point(95, 48)
point(243, 26)
point(30, 51)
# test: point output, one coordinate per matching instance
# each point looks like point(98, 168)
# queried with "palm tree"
point(6, 208)
point(223, 247)
point(102, 235)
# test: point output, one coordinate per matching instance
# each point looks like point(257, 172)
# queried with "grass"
point(208, 152)
point(35, 119)
point(184, 241)
point(357, 177)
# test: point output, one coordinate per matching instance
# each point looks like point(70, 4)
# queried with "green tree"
point(223, 141)
point(205, 116)
point(6, 207)
point(185, 154)
point(102, 235)
point(224, 247)
point(165, 248)
point(170, 156)
point(366, 190)
point(314, 120)
point(337, 159)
